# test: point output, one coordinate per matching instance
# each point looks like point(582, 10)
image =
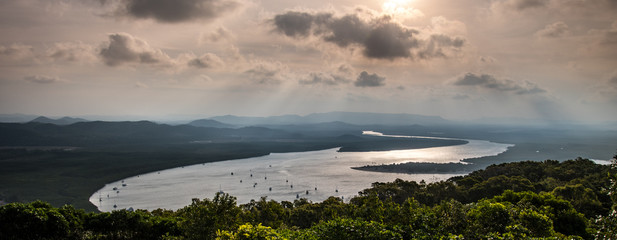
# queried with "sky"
point(553, 60)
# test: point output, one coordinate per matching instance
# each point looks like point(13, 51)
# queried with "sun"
point(395, 6)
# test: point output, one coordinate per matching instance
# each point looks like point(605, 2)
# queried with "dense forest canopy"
point(553, 200)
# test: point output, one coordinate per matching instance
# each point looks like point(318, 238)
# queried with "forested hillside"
point(553, 200)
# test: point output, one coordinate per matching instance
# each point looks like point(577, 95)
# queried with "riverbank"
point(60, 177)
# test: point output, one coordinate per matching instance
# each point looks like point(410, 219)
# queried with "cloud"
point(436, 45)
point(207, 60)
point(487, 81)
point(43, 79)
point(460, 97)
point(369, 80)
point(71, 52)
point(266, 72)
point(219, 34)
point(379, 38)
point(16, 52)
point(323, 78)
point(174, 11)
point(139, 84)
point(126, 49)
point(613, 81)
point(555, 30)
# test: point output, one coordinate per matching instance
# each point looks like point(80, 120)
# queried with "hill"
point(59, 121)
point(210, 123)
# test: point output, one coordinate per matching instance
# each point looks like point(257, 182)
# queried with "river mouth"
point(314, 175)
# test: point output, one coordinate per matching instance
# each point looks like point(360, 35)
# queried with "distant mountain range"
point(355, 118)
point(101, 133)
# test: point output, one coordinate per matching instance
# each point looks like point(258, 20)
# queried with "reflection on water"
point(314, 175)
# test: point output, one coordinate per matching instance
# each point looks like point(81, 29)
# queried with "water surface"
point(314, 175)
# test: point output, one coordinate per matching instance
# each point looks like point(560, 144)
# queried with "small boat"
point(115, 188)
point(232, 173)
point(124, 184)
point(115, 206)
point(270, 189)
point(307, 192)
point(297, 195)
point(240, 180)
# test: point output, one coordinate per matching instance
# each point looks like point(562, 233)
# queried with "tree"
point(607, 225)
point(36, 220)
point(203, 218)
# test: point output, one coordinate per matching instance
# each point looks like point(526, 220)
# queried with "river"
point(314, 175)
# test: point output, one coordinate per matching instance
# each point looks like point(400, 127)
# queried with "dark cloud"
point(175, 11)
point(42, 79)
point(389, 41)
point(207, 60)
point(346, 30)
point(294, 24)
point(613, 81)
point(369, 80)
point(526, 4)
point(380, 38)
point(503, 85)
point(126, 49)
point(555, 30)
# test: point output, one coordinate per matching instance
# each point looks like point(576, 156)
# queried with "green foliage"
point(36, 220)
point(396, 210)
point(269, 213)
point(203, 218)
point(249, 232)
point(607, 225)
point(342, 228)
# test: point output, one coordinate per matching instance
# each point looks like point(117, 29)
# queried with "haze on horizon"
point(466, 59)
